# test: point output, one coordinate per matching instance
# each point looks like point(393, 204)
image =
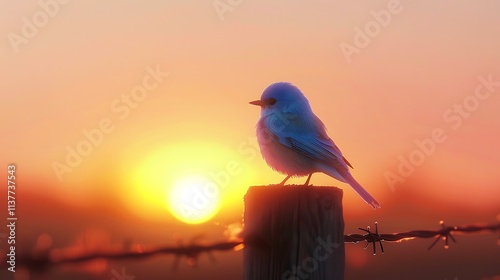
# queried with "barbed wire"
point(42, 261)
point(445, 233)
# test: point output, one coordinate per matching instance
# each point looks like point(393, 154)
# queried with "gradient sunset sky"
point(423, 69)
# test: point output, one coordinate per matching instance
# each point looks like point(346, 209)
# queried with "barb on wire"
point(444, 233)
point(192, 251)
point(373, 238)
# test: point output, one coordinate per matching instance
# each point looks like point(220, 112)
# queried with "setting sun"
point(194, 200)
point(191, 181)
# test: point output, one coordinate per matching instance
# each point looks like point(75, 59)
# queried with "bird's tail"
point(360, 190)
point(349, 179)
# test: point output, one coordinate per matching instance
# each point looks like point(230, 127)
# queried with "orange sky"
point(78, 70)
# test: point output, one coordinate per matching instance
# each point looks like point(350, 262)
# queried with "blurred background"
point(130, 127)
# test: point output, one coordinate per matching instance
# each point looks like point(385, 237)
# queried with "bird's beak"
point(257, 102)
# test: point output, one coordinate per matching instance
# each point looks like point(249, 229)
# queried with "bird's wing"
point(317, 149)
point(309, 139)
point(322, 129)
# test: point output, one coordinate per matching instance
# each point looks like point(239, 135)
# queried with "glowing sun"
point(190, 180)
point(193, 200)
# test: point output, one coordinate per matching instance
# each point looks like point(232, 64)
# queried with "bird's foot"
point(284, 181)
point(308, 179)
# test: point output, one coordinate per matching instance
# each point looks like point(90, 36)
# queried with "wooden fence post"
point(293, 232)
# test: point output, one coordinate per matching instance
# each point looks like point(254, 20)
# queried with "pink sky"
point(409, 79)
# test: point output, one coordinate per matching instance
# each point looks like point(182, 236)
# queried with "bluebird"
point(293, 140)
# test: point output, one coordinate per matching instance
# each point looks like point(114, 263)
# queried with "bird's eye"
point(271, 101)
